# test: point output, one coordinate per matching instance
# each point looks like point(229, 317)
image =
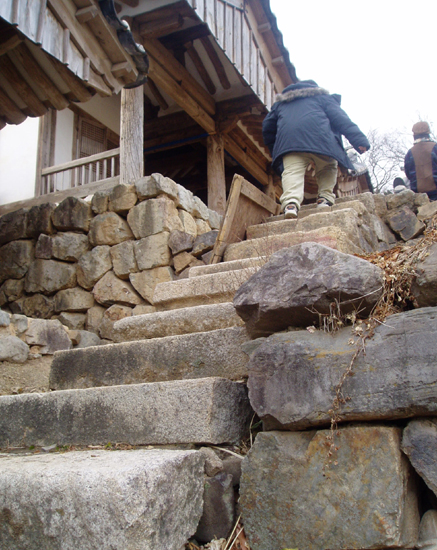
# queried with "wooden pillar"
point(216, 173)
point(132, 135)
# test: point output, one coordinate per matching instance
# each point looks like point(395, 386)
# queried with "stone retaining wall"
point(88, 263)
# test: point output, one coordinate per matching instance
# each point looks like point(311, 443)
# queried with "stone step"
point(207, 410)
point(347, 219)
point(197, 355)
point(331, 236)
point(111, 500)
point(199, 270)
point(176, 322)
point(214, 288)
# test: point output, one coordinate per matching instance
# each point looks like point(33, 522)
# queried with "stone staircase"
point(173, 377)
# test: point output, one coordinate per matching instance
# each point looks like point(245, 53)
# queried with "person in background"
point(421, 162)
point(305, 125)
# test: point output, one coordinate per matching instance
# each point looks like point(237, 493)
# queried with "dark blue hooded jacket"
point(306, 118)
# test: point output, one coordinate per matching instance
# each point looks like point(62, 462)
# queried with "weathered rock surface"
point(145, 282)
point(331, 236)
point(98, 499)
point(39, 220)
point(177, 321)
point(175, 357)
point(150, 187)
point(404, 222)
point(153, 251)
point(111, 315)
point(293, 375)
point(188, 223)
point(180, 241)
point(204, 243)
point(93, 265)
point(365, 500)
point(218, 287)
point(73, 300)
point(218, 509)
point(112, 290)
point(424, 287)
point(15, 259)
point(303, 281)
point(109, 228)
point(428, 531)
point(39, 306)
point(49, 276)
point(49, 335)
point(123, 259)
point(72, 214)
point(216, 411)
point(12, 289)
point(74, 321)
point(13, 225)
point(122, 198)
point(419, 443)
point(67, 246)
point(154, 216)
point(13, 349)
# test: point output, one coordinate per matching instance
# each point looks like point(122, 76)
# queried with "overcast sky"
point(380, 56)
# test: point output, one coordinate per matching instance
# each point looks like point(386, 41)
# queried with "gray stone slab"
point(209, 410)
point(121, 500)
point(199, 270)
point(419, 443)
point(302, 282)
point(290, 500)
point(176, 321)
point(199, 355)
point(212, 288)
point(331, 236)
point(293, 375)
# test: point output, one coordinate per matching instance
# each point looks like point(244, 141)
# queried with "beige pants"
point(293, 177)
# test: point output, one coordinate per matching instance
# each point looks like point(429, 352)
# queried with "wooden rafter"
point(23, 57)
point(200, 67)
point(11, 113)
point(9, 72)
point(160, 27)
point(215, 60)
point(9, 39)
point(190, 34)
point(157, 94)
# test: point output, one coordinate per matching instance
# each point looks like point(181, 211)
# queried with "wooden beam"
point(241, 156)
point(157, 94)
point(176, 39)
point(20, 86)
point(78, 90)
point(186, 82)
point(215, 60)
point(200, 67)
point(9, 39)
point(216, 173)
point(8, 109)
point(132, 137)
point(39, 77)
point(174, 89)
point(85, 14)
point(160, 27)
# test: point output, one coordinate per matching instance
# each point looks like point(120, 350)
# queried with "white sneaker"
point(290, 211)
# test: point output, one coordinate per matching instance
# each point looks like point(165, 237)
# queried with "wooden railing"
point(80, 172)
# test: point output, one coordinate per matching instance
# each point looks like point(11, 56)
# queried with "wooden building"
point(214, 68)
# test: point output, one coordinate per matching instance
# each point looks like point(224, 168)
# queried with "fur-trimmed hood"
point(299, 93)
point(299, 90)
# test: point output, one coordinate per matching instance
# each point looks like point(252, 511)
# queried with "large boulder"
point(109, 229)
point(48, 335)
point(72, 214)
point(93, 265)
point(302, 282)
point(15, 259)
point(154, 216)
point(112, 290)
point(119, 500)
point(291, 498)
point(424, 287)
point(49, 276)
point(404, 222)
point(419, 443)
point(293, 375)
point(67, 246)
point(13, 226)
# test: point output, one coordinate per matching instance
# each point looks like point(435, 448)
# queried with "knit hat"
point(421, 128)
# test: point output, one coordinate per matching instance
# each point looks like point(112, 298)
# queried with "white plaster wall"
point(18, 152)
point(106, 110)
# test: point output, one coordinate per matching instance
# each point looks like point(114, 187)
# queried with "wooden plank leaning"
point(246, 205)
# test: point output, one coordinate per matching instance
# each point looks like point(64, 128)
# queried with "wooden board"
point(246, 206)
